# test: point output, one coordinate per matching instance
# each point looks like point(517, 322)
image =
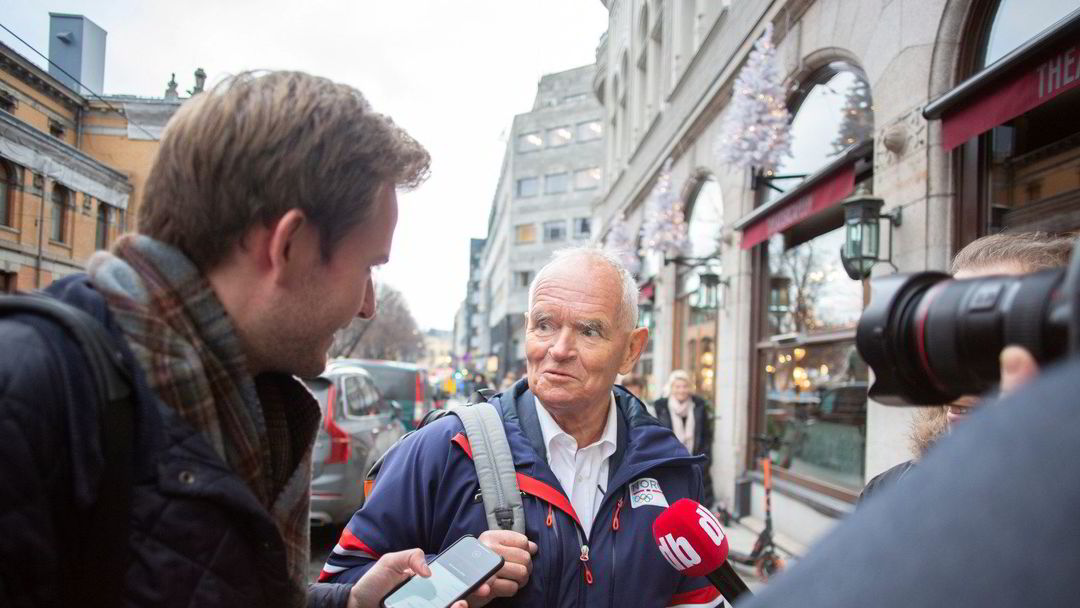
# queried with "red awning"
point(824, 193)
point(1027, 89)
point(1043, 68)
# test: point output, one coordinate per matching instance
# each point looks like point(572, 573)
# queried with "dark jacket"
point(703, 434)
point(885, 480)
point(425, 495)
point(197, 537)
point(986, 518)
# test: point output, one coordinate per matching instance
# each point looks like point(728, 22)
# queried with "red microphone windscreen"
point(690, 538)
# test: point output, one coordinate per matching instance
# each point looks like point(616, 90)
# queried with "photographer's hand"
point(390, 570)
point(1017, 367)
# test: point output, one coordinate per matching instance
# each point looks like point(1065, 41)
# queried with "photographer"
point(998, 254)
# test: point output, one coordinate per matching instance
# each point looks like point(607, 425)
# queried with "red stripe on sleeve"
point(697, 596)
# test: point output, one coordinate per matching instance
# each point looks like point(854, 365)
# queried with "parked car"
point(405, 383)
point(359, 425)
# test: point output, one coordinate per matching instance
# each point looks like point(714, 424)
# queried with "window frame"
point(554, 224)
point(553, 130)
point(101, 225)
point(521, 181)
point(531, 148)
point(518, 228)
point(565, 175)
point(59, 223)
point(578, 234)
point(8, 176)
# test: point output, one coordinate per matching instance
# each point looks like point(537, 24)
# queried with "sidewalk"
point(741, 536)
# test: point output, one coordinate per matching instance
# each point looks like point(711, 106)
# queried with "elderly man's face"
point(575, 342)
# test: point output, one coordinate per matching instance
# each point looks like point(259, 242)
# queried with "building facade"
point(72, 164)
point(551, 176)
point(958, 114)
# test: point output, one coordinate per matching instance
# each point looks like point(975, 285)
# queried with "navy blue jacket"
point(198, 536)
point(425, 496)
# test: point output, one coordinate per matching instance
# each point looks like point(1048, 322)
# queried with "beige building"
point(72, 164)
point(958, 114)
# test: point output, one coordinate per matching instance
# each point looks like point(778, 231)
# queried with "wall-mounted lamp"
point(862, 234)
point(707, 297)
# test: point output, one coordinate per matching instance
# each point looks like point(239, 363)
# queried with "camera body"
point(930, 338)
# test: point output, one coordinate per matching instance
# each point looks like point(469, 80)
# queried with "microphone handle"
point(728, 583)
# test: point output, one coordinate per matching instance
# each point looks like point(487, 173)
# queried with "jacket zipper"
point(615, 525)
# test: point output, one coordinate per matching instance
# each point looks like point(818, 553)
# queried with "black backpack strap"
point(99, 576)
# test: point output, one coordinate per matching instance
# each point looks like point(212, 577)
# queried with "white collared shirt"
point(582, 473)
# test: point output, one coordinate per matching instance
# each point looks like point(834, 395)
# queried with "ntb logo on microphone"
point(679, 552)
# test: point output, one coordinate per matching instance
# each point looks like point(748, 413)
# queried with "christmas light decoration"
point(756, 130)
point(620, 241)
point(665, 228)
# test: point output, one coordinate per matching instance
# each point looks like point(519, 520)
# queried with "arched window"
point(832, 111)
point(1017, 21)
point(7, 192)
point(1022, 174)
point(61, 197)
point(698, 301)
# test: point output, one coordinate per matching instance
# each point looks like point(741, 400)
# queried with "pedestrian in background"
point(687, 415)
point(636, 385)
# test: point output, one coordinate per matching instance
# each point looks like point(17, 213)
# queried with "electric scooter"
point(764, 557)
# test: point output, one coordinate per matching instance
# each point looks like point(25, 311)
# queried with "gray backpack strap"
point(494, 466)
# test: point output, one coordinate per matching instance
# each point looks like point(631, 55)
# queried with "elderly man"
point(601, 469)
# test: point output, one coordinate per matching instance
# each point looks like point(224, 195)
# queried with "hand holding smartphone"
point(455, 573)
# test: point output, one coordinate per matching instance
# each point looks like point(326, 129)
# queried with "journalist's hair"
point(628, 307)
point(259, 144)
point(674, 377)
point(1031, 251)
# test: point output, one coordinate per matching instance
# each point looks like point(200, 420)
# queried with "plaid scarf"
point(262, 427)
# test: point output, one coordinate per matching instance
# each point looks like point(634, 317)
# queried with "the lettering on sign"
point(790, 215)
point(1058, 72)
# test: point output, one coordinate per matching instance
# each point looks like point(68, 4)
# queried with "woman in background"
point(687, 415)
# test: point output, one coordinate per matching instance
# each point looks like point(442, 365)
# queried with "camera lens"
point(930, 339)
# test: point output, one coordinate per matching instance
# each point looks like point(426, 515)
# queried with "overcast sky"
point(452, 72)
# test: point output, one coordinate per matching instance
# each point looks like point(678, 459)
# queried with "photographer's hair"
point(1029, 251)
point(259, 144)
point(1024, 251)
point(675, 376)
point(628, 306)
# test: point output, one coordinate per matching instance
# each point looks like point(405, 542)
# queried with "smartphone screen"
point(454, 573)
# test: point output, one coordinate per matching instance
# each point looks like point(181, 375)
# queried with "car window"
point(362, 399)
point(398, 384)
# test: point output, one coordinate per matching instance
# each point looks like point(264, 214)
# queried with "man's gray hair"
point(628, 307)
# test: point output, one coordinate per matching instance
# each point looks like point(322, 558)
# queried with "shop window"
point(556, 183)
point(61, 198)
point(559, 136)
point(101, 235)
point(832, 112)
point(525, 233)
point(554, 231)
point(7, 193)
point(528, 187)
point(1023, 175)
point(588, 131)
point(530, 142)
point(813, 381)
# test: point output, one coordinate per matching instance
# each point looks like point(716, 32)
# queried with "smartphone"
point(455, 573)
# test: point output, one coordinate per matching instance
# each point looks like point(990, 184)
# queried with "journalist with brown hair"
point(271, 199)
